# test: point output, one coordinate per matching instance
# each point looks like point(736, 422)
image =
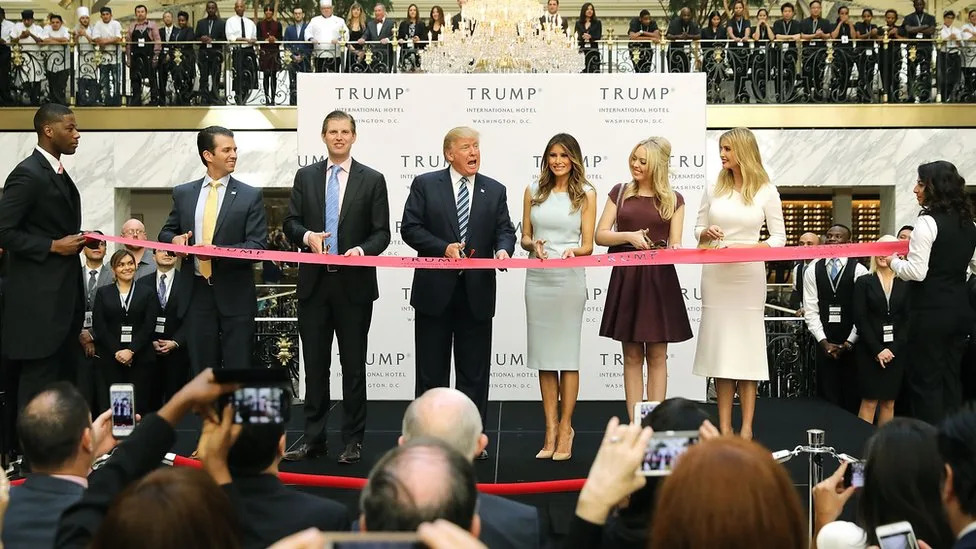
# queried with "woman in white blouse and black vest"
point(939, 316)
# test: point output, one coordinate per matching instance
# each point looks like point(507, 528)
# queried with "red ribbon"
point(665, 256)
point(353, 483)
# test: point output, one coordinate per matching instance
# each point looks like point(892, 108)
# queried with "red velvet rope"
point(353, 483)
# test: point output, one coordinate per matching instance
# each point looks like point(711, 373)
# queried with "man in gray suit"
point(218, 210)
point(450, 416)
point(61, 442)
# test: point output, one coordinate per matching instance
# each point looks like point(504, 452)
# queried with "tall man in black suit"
point(40, 230)
point(380, 29)
point(169, 335)
point(218, 210)
point(456, 213)
point(210, 29)
point(338, 206)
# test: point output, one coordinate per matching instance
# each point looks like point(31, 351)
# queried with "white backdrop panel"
point(401, 122)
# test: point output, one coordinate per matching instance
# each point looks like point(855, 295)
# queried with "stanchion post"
point(815, 441)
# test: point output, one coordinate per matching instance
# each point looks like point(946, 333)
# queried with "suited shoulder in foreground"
point(40, 231)
point(220, 210)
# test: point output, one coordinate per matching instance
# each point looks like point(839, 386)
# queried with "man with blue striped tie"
point(456, 212)
point(339, 207)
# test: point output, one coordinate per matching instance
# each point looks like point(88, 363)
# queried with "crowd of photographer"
point(917, 480)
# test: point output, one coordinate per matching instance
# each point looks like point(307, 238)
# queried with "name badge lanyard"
point(738, 27)
point(887, 329)
point(834, 311)
point(128, 298)
point(126, 335)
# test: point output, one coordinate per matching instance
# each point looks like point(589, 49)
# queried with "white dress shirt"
point(950, 35)
point(343, 176)
point(57, 60)
point(201, 205)
point(170, 275)
point(915, 266)
point(233, 29)
point(322, 31)
point(6, 27)
point(971, 527)
point(112, 29)
point(54, 162)
point(811, 301)
point(968, 34)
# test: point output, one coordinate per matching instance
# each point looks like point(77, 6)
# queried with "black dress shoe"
point(482, 456)
point(352, 453)
point(306, 451)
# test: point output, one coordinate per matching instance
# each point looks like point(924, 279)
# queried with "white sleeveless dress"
point(554, 298)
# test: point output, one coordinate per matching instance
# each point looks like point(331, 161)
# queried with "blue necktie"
point(834, 269)
point(332, 209)
point(162, 291)
point(462, 208)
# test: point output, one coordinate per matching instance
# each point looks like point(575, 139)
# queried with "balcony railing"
point(779, 72)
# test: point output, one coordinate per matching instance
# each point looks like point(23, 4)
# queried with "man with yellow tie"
point(217, 210)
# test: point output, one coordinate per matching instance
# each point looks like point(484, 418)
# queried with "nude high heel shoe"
point(564, 456)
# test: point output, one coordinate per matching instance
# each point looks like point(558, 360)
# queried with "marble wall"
point(110, 164)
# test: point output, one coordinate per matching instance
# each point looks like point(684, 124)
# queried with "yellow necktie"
point(209, 225)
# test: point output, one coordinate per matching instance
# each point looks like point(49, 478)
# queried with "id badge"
point(844, 39)
point(88, 320)
point(740, 44)
point(785, 46)
point(142, 41)
point(160, 324)
point(919, 36)
point(888, 333)
point(833, 314)
point(209, 46)
point(126, 334)
point(868, 53)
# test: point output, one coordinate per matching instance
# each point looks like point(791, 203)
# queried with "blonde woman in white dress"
point(732, 335)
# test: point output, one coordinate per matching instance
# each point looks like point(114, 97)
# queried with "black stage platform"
point(515, 432)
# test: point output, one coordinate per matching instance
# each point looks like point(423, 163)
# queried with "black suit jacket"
point(108, 316)
point(870, 317)
point(430, 223)
point(135, 457)
point(35, 509)
point(271, 511)
point(216, 33)
point(508, 524)
point(364, 221)
point(456, 23)
point(967, 542)
point(240, 224)
point(45, 300)
point(173, 329)
point(385, 32)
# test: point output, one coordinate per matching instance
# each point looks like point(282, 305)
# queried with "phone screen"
point(123, 409)
point(664, 450)
point(257, 405)
point(854, 476)
point(901, 540)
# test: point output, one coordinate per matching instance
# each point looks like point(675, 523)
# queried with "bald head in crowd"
point(420, 481)
point(447, 415)
point(134, 228)
point(809, 239)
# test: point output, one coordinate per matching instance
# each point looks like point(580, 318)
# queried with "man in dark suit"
point(172, 369)
point(271, 509)
point(957, 446)
point(380, 29)
point(40, 230)
point(300, 53)
point(96, 273)
point(800, 269)
point(219, 210)
point(552, 20)
point(60, 441)
point(338, 206)
point(210, 29)
point(456, 213)
point(456, 21)
point(450, 416)
point(169, 35)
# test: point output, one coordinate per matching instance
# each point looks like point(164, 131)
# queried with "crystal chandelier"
point(506, 38)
